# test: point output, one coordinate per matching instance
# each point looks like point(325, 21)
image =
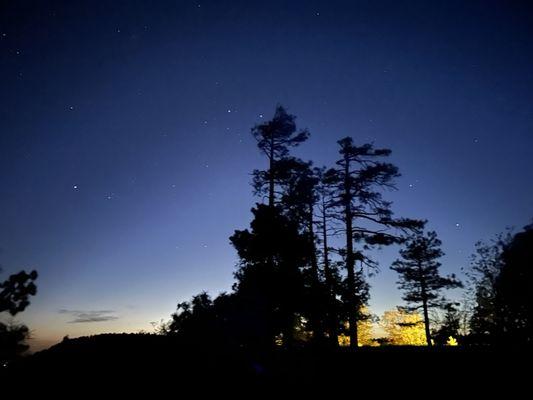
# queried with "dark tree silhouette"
point(274, 138)
point(300, 199)
point(325, 208)
point(450, 325)
point(485, 268)
point(501, 282)
point(365, 215)
point(514, 295)
point(16, 290)
point(192, 318)
point(420, 278)
point(269, 283)
point(14, 298)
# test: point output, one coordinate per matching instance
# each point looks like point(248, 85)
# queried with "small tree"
point(449, 327)
point(419, 276)
point(14, 298)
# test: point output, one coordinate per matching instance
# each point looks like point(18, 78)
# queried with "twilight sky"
point(125, 146)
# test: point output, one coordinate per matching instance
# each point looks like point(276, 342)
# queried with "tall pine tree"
point(367, 218)
point(274, 139)
point(420, 278)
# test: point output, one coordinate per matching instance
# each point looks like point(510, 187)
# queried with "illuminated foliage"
point(365, 332)
point(452, 341)
point(404, 328)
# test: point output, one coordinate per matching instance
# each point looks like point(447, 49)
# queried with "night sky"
point(125, 146)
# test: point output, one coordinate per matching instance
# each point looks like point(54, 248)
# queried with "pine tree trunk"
point(350, 259)
point(426, 323)
point(315, 289)
point(332, 313)
point(424, 305)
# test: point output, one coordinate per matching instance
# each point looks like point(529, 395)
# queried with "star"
point(260, 115)
point(75, 187)
point(71, 108)
point(229, 110)
point(457, 225)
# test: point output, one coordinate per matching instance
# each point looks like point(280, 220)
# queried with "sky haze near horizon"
point(125, 146)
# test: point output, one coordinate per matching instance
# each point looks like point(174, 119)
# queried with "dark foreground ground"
point(131, 363)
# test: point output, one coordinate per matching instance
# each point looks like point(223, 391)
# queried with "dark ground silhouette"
point(132, 361)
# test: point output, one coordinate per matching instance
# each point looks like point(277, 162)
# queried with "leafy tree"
point(16, 290)
point(514, 296)
point(274, 138)
point(269, 283)
point(12, 340)
point(14, 298)
point(403, 328)
point(207, 322)
point(367, 218)
point(485, 268)
point(191, 316)
point(420, 278)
